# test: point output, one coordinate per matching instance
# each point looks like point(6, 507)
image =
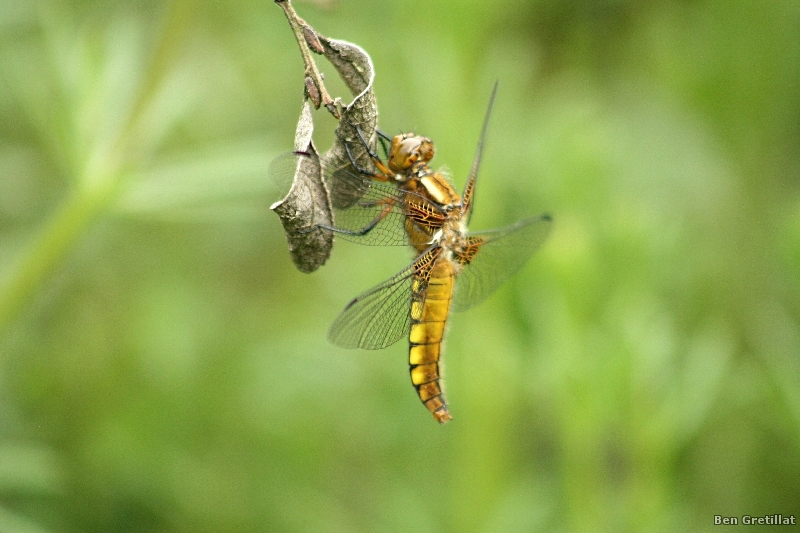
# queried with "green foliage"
point(163, 366)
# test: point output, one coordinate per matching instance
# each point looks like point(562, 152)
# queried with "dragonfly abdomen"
point(428, 319)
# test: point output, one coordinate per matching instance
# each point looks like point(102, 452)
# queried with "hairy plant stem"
point(298, 26)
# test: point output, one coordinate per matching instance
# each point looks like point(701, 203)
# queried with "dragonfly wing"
point(366, 210)
point(382, 315)
point(498, 255)
point(469, 187)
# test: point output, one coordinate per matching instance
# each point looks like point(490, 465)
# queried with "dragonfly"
point(404, 201)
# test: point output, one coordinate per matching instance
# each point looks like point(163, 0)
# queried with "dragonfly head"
point(408, 149)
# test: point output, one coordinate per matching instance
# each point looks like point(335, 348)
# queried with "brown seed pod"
point(312, 92)
point(312, 40)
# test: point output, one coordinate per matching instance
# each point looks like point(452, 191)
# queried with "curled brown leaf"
point(359, 119)
point(307, 204)
point(311, 199)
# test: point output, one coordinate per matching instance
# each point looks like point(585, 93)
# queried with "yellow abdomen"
point(429, 312)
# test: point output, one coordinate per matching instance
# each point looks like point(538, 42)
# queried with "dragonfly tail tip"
point(442, 415)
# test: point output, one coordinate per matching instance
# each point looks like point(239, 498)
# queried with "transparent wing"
point(497, 255)
point(382, 315)
point(366, 211)
point(469, 187)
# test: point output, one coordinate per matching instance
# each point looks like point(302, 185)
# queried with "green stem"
point(56, 237)
point(86, 204)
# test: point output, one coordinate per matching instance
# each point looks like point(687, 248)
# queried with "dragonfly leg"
point(383, 138)
point(365, 144)
point(380, 165)
point(390, 203)
point(384, 175)
point(375, 159)
point(380, 177)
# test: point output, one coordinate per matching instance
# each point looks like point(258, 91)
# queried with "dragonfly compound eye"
point(407, 149)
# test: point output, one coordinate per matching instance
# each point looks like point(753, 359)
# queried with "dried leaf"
point(355, 68)
point(306, 205)
point(309, 202)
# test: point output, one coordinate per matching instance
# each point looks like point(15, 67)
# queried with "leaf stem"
point(302, 33)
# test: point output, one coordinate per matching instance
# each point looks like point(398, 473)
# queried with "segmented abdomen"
point(429, 312)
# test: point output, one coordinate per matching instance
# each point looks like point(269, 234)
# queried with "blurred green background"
point(164, 367)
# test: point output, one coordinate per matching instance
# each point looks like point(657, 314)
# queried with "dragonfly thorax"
point(453, 234)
